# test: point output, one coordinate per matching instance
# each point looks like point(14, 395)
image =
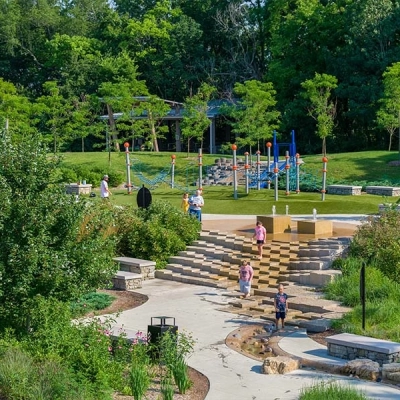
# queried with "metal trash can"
point(156, 331)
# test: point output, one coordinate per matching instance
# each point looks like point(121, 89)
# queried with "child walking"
point(185, 203)
point(281, 306)
point(260, 234)
point(245, 276)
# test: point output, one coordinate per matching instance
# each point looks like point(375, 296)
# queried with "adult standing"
point(196, 202)
point(104, 190)
point(245, 277)
point(260, 234)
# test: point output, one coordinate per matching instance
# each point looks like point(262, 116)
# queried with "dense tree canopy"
point(169, 48)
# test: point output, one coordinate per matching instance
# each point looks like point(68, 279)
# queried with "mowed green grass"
point(346, 167)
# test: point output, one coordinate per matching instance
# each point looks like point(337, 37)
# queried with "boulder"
point(363, 368)
point(391, 372)
point(279, 365)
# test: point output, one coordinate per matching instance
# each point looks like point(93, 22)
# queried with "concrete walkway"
point(232, 376)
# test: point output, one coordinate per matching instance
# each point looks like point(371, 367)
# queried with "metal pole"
point(287, 168)
point(324, 171)
point(234, 167)
point(128, 168)
point(269, 144)
point(246, 171)
point(297, 173)
point(362, 293)
point(200, 186)
point(276, 172)
point(258, 169)
point(173, 156)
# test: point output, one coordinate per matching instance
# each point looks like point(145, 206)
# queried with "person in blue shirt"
point(281, 306)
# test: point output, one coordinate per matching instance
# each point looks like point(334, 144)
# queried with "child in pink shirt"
point(260, 234)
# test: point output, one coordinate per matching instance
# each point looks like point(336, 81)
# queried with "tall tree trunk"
point(324, 147)
point(113, 129)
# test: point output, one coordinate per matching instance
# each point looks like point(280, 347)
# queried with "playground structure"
point(232, 172)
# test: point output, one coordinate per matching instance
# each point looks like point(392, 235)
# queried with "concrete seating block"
point(317, 227)
point(124, 280)
point(76, 189)
point(344, 190)
point(276, 223)
point(383, 190)
point(350, 347)
point(136, 265)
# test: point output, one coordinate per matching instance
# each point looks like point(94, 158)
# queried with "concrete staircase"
point(302, 266)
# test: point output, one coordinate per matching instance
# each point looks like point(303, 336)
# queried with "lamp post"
point(128, 168)
point(234, 167)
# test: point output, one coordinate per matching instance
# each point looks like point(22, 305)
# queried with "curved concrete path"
point(232, 376)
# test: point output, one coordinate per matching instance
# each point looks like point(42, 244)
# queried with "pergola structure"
point(175, 115)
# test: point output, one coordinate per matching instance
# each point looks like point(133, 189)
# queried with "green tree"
point(56, 114)
point(15, 110)
point(195, 120)
point(388, 116)
point(50, 245)
point(318, 90)
point(153, 109)
point(255, 116)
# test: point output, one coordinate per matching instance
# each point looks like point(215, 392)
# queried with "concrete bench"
point(145, 268)
point(124, 280)
point(344, 190)
point(383, 190)
point(350, 347)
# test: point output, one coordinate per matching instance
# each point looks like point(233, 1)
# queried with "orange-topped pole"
point(276, 173)
point(246, 171)
point(324, 171)
point(173, 157)
point(234, 167)
point(297, 173)
point(269, 145)
point(287, 169)
point(128, 168)
point(258, 163)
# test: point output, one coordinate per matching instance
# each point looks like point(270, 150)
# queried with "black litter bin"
point(156, 331)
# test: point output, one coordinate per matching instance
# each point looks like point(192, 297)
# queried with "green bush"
point(86, 348)
point(155, 233)
point(331, 391)
point(91, 302)
point(346, 288)
point(23, 379)
point(378, 240)
point(382, 320)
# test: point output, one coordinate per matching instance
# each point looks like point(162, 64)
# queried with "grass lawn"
point(342, 168)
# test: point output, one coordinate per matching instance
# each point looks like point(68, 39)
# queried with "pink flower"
point(109, 348)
